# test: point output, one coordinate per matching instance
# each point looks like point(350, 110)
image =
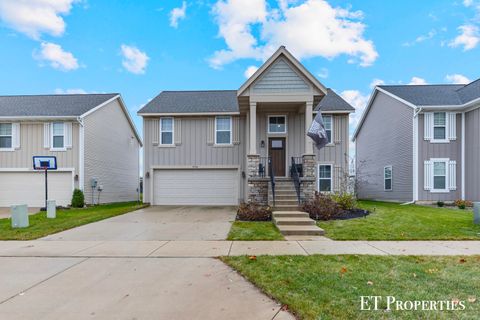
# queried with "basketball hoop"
point(45, 163)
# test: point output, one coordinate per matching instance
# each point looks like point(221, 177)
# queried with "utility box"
point(51, 209)
point(476, 213)
point(19, 216)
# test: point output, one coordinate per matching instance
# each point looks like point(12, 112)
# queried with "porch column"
point(308, 122)
point(253, 128)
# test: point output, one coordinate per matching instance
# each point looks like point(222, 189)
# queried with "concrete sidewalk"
point(133, 249)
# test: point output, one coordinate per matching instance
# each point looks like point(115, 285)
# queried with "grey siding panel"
point(386, 140)
point(196, 148)
point(428, 150)
point(280, 77)
point(472, 155)
point(111, 155)
point(31, 135)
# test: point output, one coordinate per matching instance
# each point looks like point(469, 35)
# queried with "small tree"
point(78, 199)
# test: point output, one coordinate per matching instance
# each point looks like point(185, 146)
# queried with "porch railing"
point(271, 173)
point(262, 167)
point(295, 174)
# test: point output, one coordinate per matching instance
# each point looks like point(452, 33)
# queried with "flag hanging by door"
point(317, 131)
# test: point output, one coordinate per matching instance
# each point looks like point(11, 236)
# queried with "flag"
point(317, 131)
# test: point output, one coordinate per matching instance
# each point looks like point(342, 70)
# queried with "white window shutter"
point(46, 135)
point(452, 175)
point(428, 175)
point(16, 135)
point(428, 126)
point(452, 126)
point(178, 131)
point(67, 127)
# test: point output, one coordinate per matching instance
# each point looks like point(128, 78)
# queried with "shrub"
point(462, 204)
point(253, 211)
point(440, 204)
point(78, 199)
point(345, 200)
point(322, 207)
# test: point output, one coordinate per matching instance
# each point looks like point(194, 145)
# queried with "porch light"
point(262, 144)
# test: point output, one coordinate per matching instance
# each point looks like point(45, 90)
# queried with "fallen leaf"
point(455, 301)
point(462, 260)
point(414, 275)
point(472, 299)
point(370, 283)
point(285, 307)
point(343, 270)
point(252, 258)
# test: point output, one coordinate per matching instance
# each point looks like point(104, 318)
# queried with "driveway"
point(158, 223)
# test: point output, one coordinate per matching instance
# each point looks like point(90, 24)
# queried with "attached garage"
point(195, 186)
point(28, 187)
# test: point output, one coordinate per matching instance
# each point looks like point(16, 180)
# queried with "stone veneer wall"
point(257, 186)
point(309, 179)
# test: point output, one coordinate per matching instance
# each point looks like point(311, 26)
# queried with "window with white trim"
point(166, 131)
point(439, 126)
point(58, 135)
point(223, 130)
point(6, 136)
point(327, 122)
point(324, 177)
point(387, 178)
point(440, 175)
point(277, 124)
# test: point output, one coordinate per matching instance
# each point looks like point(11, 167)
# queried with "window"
point(166, 131)
point(58, 135)
point(325, 178)
point(6, 135)
point(439, 126)
point(439, 175)
point(387, 178)
point(327, 121)
point(277, 124)
point(223, 130)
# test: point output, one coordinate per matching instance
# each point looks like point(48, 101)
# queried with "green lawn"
point(40, 226)
point(250, 230)
point(390, 221)
point(330, 287)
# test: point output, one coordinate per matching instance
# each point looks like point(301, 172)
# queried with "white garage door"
point(29, 188)
point(195, 187)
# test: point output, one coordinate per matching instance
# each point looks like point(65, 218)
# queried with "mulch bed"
point(352, 214)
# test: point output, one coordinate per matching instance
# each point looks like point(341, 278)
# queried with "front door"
point(276, 150)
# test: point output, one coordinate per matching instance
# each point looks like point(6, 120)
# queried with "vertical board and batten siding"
point(196, 148)
point(111, 155)
point(386, 138)
point(32, 144)
point(280, 77)
point(472, 155)
point(427, 150)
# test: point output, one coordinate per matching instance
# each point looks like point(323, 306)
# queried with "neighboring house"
point(212, 147)
point(420, 143)
point(92, 136)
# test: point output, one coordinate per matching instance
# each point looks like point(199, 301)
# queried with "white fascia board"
point(36, 118)
point(186, 114)
point(335, 111)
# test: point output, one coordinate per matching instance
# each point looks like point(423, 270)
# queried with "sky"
point(140, 48)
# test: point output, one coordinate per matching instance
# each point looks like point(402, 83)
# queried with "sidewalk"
point(194, 249)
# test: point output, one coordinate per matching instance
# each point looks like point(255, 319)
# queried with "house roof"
point(65, 105)
point(333, 102)
point(216, 101)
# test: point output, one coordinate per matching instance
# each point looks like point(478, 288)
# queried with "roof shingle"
point(333, 102)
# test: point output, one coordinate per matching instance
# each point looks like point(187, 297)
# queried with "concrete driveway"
point(158, 223)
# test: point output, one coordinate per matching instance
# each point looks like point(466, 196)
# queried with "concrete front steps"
point(296, 223)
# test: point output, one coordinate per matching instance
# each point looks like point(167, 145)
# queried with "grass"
point(391, 221)
point(330, 287)
point(40, 226)
point(254, 230)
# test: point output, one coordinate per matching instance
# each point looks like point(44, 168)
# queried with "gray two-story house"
point(91, 135)
point(223, 147)
point(420, 143)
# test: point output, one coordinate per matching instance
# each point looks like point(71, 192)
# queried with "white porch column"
point(253, 128)
point(308, 123)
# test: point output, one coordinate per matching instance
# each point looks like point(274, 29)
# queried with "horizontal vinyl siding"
point(472, 155)
point(386, 138)
point(111, 155)
point(428, 150)
point(193, 149)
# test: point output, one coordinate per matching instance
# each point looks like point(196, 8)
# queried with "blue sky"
point(139, 48)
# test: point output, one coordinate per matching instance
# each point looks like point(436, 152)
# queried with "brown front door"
point(276, 150)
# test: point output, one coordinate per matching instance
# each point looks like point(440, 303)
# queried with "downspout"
point(415, 154)
point(463, 155)
point(81, 154)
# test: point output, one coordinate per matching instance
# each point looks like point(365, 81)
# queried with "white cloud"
point(323, 73)
point(457, 78)
point(309, 29)
point(56, 57)
point(469, 37)
point(134, 60)
point(34, 17)
point(70, 91)
point(358, 101)
point(250, 71)
point(178, 14)
point(417, 80)
point(424, 37)
point(376, 82)
point(467, 3)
